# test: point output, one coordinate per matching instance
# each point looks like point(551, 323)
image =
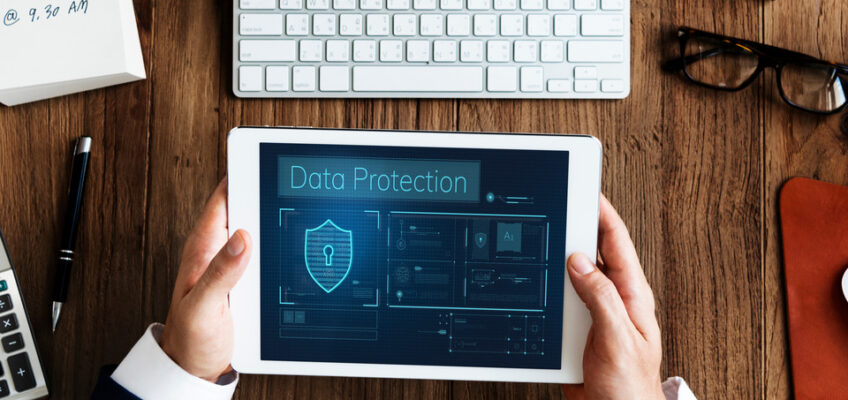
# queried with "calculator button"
point(8, 323)
point(3, 285)
point(4, 388)
point(12, 343)
point(21, 372)
point(5, 303)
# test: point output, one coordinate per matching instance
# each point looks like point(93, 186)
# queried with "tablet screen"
point(412, 255)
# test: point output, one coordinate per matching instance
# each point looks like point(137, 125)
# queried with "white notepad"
point(52, 48)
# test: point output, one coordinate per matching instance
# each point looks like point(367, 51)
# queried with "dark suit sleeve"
point(107, 388)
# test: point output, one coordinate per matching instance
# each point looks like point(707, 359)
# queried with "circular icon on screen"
point(401, 244)
point(490, 197)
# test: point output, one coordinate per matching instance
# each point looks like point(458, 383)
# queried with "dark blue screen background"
point(429, 282)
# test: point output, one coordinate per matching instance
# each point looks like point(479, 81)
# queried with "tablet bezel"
point(243, 211)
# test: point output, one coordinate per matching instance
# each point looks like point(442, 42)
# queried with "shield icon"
point(328, 252)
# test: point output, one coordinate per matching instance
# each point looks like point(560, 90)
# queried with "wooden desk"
point(694, 172)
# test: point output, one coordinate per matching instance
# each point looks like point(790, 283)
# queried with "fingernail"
point(581, 264)
point(235, 245)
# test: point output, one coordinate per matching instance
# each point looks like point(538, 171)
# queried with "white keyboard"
point(574, 49)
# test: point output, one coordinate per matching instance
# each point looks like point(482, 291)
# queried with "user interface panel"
point(404, 255)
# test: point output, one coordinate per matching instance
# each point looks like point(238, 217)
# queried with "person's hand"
point(198, 333)
point(623, 352)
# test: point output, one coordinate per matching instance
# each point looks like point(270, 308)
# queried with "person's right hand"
point(623, 353)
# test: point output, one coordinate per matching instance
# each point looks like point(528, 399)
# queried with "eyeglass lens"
point(719, 64)
point(813, 87)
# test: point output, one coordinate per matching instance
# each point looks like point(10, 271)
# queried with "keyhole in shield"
point(328, 255)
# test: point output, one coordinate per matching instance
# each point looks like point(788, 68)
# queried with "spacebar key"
point(418, 79)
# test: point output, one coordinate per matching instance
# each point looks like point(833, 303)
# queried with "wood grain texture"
point(694, 173)
point(796, 144)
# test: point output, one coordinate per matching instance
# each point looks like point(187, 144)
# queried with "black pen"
point(66, 249)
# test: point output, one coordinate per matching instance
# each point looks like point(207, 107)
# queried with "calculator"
point(21, 376)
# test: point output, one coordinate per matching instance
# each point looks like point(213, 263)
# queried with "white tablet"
point(411, 254)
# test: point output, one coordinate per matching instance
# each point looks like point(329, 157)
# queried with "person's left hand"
point(198, 333)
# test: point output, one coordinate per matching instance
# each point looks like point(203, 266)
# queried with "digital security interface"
point(403, 255)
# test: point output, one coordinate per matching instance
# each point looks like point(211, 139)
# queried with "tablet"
point(411, 254)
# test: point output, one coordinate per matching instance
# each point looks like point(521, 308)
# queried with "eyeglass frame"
point(767, 57)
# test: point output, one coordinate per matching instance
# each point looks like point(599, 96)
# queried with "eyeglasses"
point(726, 63)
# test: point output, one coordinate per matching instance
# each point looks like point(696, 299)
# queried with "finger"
point(623, 268)
point(224, 270)
point(205, 240)
point(573, 392)
point(599, 294)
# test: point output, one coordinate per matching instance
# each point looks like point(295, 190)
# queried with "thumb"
point(597, 291)
point(225, 269)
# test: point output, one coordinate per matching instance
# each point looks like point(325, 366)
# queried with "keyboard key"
point(311, 50)
point(317, 4)
point(344, 4)
point(291, 4)
point(459, 25)
point(539, 25)
point(512, 25)
point(525, 50)
point(559, 5)
point(424, 4)
point(612, 85)
point(338, 50)
point(497, 50)
point(404, 24)
point(431, 24)
point(277, 78)
point(418, 51)
point(502, 79)
point(377, 25)
point(4, 388)
point(267, 50)
point(602, 25)
point(13, 343)
point(479, 4)
point(21, 372)
point(334, 79)
point(364, 50)
point(417, 79)
point(485, 25)
point(303, 79)
point(552, 51)
point(585, 85)
point(532, 79)
point(350, 24)
point(559, 85)
point(370, 4)
point(250, 80)
point(585, 5)
point(613, 5)
point(324, 24)
point(397, 4)
point(565, 25)
point(391, 50)
point(505, 4)
point(451, 4)
point(5, 303)
point(258, 4)
point(471, 51)
point(532, 4)
point(261, 24)
point(444, 51)
point(595, 51)
point(585, 72)
point(297, 24)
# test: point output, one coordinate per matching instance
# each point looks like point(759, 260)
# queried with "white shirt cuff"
point(675, 388)
point(149, 373)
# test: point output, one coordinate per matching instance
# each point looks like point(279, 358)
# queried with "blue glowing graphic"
point(328, 253)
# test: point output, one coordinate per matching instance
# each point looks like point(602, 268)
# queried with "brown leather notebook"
point(814, 219)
